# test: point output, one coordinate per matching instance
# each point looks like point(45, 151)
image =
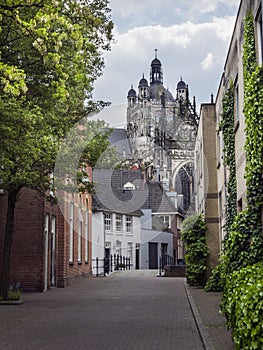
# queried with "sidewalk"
point(211, 324)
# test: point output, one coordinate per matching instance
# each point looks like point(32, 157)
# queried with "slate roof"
point(111, 196)
point(118, 138)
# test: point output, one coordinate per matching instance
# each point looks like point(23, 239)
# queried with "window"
point(165, 219)
point(118, 247)
point(118, 223)
point(239, 205)
point(128, 224)
point(129, 251)
point(71, 232)
point(237, 108)
point(108, 222)
point(80, 234)
point(87, 236)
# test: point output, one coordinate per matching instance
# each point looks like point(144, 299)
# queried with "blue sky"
point(192, 38)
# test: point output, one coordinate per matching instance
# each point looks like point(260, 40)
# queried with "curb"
point(11, 302)
point(202, 330)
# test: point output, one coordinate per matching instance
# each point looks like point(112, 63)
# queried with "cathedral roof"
point(143, 82)
point(181, 85)
point(157, 90)
point(131, 92)
point(156, 62)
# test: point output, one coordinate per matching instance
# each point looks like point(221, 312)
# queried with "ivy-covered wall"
point(227, 126)
point(244, 242)
point(241, 272)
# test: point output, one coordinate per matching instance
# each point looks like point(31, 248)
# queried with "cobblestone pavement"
point(124, 311)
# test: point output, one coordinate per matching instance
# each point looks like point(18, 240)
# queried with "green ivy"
point(253, 109)
point(196, 250)
point(245, 244)
point(217, 280)
point(227, 126)
point(244, 305)
point(244, 241)
point(242, 260)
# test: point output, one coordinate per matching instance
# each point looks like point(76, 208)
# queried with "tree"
point(196, 250)
point(51, 54)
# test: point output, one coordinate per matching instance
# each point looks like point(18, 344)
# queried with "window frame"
point(108, 222)
point(119, 223)
point(128, 224)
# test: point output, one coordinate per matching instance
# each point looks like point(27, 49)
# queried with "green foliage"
point(253, 109)
point(50, 56)
point(51, 53)
point(243, 270)
point(243, 306)
point(217, 280)
point(13, 295)
point(227, 126)
point(245, 243)
point(196, 250)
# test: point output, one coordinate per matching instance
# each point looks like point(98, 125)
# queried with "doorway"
point(153, 255)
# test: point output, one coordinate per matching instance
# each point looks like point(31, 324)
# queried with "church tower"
point(156, 73)
point(161, 129)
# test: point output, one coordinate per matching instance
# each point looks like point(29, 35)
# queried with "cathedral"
point(162, 129)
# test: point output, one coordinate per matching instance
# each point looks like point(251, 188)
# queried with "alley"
point(127, 310)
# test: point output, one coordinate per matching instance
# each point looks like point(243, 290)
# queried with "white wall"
point(156, 237)
point(97, 235)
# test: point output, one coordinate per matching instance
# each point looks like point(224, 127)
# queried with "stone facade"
point(162, 131)
point(206, 195)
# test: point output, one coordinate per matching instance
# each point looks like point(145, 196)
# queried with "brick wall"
point(31, 256)
point(27, 249)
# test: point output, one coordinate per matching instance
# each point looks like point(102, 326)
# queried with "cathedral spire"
point(156, 74)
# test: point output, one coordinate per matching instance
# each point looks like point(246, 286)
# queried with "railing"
point(112, 263)
point(166, 260)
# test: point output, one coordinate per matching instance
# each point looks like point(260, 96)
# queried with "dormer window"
point(129, 186)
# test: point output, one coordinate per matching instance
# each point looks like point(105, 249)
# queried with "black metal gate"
point(110, 263)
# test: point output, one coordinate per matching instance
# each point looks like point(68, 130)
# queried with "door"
point(46, 233)
point(137, 257)
point(153, 255)
point(53, 253)
point(107, 261)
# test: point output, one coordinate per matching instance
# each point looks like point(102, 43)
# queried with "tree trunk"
point(8, 239)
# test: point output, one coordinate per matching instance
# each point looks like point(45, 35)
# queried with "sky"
point(192, 38)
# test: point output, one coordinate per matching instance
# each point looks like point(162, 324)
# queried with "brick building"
point(51, 244)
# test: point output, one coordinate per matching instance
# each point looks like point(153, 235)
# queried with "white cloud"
point(196, 50)
point(224, 26)
point(207, 63)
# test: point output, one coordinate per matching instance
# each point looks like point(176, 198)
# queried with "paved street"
point(127, 310)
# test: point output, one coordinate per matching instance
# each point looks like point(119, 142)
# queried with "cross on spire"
point(156, 53)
